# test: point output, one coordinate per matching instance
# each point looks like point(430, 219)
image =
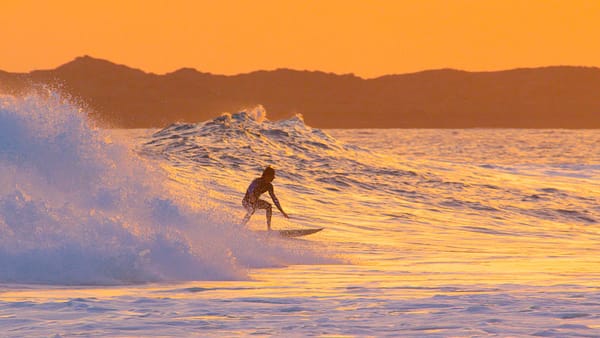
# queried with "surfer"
point(252, 200)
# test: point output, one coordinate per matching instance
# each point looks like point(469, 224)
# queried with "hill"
point(549, 97)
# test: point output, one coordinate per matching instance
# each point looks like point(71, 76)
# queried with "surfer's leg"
point(248, 215)
point(251, 209)
point(267, 206)
point(269, 213)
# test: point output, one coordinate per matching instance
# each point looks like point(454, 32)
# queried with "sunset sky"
point(368, 38)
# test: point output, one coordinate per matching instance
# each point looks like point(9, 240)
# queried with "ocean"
point(427, 233)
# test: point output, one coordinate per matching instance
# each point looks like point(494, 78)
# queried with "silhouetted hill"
point(549, 97)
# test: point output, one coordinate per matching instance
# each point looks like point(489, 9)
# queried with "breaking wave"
point(79, 208)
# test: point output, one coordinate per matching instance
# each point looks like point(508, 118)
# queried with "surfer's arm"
point(276, 201)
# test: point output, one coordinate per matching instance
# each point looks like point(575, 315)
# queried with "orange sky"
point(368, 38)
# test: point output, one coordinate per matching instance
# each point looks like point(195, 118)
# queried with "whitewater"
point(428, 233)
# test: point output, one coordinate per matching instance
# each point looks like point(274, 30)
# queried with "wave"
point(76, 207)
point(245, 133)
point(304, 156)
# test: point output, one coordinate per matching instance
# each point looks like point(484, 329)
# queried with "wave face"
point(79, 208)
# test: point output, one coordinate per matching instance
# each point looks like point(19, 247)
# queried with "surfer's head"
point(269, 173)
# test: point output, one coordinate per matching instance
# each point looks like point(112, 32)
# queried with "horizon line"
point(87, 56)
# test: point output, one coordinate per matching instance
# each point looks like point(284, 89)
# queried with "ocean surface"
point(428, 233)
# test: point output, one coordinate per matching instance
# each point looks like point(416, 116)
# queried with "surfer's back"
point(258, 187)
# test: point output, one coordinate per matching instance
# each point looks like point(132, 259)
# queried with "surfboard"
point(296, 232)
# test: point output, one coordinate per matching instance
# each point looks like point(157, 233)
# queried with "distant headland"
point(124, 97)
